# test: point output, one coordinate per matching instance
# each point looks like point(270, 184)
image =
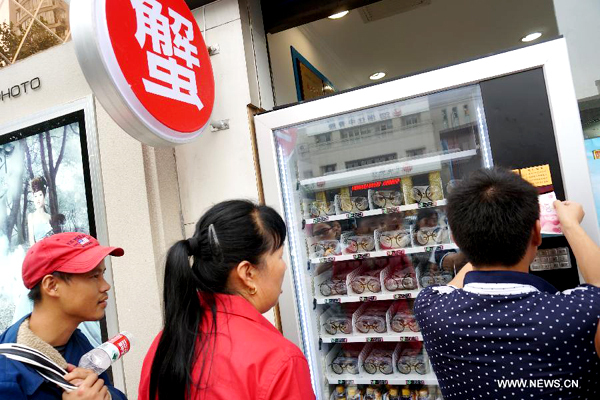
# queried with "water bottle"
point(406, 394)
point(340, 392)
point(101, 358)
point(423, 394)
point(393, 394)
point(353, 393)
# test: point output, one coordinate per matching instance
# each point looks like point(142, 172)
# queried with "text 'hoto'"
point(17, 90)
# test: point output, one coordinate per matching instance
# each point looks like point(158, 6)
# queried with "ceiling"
point(192, 4)
point(279, 15)
point(400, 37)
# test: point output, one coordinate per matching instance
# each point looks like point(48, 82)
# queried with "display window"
point(46, 187)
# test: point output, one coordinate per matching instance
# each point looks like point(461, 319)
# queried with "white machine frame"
point(551, 56)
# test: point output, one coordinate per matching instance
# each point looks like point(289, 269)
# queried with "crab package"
point(379, 359)
point(430, 228)
point(400, 274)
point(346, 360)
point(402, 318)
point(411, 358)
point(371, 318)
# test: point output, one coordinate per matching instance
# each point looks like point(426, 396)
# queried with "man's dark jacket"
point(18, 381)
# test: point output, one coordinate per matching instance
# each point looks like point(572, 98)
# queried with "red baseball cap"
point(70, 252)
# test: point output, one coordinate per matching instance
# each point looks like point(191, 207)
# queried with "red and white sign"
point(149, 66)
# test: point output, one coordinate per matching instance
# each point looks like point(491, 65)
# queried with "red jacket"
point(252, 359)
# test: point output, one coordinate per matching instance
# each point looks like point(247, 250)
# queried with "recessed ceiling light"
point(531, 37)
point(338, 15)
point(377, 76)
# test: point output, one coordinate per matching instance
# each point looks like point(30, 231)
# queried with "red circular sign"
point(161, 53)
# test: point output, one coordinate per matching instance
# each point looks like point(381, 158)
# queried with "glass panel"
point(30, 26)
point(44, 183)
point(446, 125)
point(366, 191)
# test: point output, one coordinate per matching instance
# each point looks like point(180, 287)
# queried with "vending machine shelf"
point(398, 169)
point(385, 253)
point(380, 379)
point(384, 337)
point(406, 294)
point(371, 213)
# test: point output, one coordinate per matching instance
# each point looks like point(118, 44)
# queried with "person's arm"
point(586, 251)
point(453, 261)
point(459, 279)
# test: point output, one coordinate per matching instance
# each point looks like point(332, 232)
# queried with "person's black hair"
point(492, 215)
point(227, 234)
point(424, 213)
point(38, 184)
point(35, 294)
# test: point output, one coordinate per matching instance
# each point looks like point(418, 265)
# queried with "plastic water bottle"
point(393, 394)
point(406, 394)
point(353, 393)
point(340, 392)
point(102, 357)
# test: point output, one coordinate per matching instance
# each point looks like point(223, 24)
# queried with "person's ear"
point(247, 275)
point(536, 234)
point(50, 286)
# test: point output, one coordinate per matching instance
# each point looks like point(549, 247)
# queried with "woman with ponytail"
point(215, 343)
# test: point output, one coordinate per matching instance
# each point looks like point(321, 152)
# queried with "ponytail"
point(229, 233)
point(182, 316)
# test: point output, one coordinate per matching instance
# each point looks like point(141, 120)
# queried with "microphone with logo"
point(103, 356)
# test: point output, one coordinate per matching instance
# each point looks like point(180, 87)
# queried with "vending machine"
point(362, 177)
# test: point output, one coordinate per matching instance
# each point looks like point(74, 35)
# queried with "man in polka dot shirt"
point(496, 331)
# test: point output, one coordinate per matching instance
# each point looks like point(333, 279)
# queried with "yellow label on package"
point(538, 176)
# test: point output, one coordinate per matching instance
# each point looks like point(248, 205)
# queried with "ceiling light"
point(531, 37)
point(377, 76)
point(338, 15)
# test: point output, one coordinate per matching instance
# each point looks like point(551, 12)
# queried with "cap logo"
point(81, 240)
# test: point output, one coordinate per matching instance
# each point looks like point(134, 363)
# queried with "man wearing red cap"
point(65, 274)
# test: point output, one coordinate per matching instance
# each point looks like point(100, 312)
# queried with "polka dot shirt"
point(511, 335)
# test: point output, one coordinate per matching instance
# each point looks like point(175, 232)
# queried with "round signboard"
point(148, 66)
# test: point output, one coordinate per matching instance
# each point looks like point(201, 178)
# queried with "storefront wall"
point(142, 205)
point(153, 196)
point(578, 23)
point(220, 165)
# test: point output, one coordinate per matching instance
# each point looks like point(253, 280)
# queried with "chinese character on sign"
point(173, 57)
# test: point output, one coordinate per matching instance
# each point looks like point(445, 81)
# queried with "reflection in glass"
point(389, 135)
